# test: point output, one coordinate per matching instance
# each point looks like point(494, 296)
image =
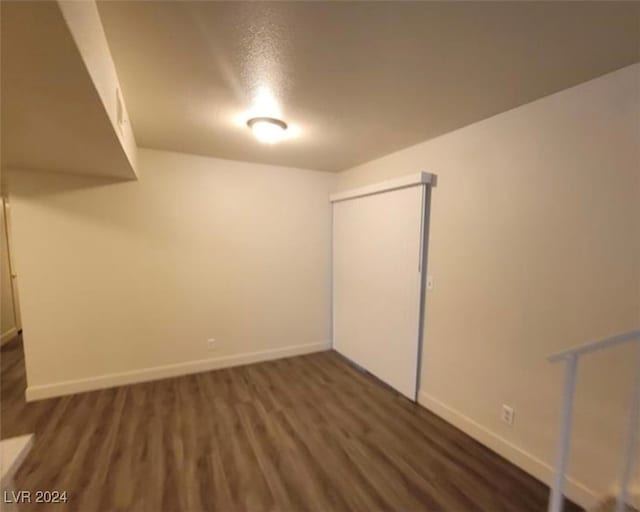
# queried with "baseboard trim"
point(166, 371)
point(633, 495)
point(574, 490)
point(9, 335)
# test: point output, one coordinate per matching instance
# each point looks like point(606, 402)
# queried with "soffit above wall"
point(53, 117)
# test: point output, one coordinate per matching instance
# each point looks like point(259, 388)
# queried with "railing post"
point(632, 437)
point(556, 500)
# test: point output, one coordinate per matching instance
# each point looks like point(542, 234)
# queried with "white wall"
point(534, 247)
point(120, 279)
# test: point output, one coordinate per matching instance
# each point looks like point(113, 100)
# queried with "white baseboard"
point(165, 371)
point(574, 490)
point(9, 335)
point(633, 495)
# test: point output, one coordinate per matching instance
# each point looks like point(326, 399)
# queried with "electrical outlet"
point(429, 282)
point(508, 414)
point(211, 344)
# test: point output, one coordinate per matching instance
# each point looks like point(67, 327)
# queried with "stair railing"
point(571, 357)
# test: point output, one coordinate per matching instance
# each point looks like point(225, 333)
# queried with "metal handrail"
point(594, 346)
point(571, 357)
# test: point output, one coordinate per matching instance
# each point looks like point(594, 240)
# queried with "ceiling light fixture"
point(268, 129)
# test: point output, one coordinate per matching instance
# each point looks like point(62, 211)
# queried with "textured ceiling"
point(355, 80)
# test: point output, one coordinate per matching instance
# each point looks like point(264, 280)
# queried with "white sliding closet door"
point(377, 287)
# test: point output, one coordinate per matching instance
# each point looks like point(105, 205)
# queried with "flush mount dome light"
point(267, 129)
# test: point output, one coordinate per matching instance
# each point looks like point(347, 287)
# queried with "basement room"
point(369, 256)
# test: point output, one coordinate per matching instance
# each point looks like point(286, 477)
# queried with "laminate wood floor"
point(308, 433)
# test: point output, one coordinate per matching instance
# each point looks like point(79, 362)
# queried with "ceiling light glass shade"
point(268, 129)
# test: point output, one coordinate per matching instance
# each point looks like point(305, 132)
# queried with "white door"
point(9, 313)
point(377, 287)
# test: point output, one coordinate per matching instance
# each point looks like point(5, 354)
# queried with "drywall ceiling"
point(358, 80)
point(53, 118)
